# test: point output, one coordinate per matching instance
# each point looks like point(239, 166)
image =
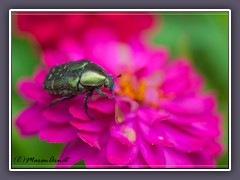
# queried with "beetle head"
point(109, 82)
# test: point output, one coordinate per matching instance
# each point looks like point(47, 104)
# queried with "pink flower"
point(49, 27)
point(160, 118)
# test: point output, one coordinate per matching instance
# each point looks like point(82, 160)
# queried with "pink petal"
point(152, 154)
point(181, 140)
point(202, 160)
point(188, 119)
point(126, 104)
point(75, 21)
point(40, 75)
point(58, 133)
point(190, 105)
point(140, 58)
point(154, 135)
point(207, 126)
point(103, 105)
point(30, 120)
point(151, 95)
point(157, 57)
point(95, 140)
point(77, 110)
point(125, 108)
point(119, 20)
point(176, 86)
point(58, 113)
point(177, 159)
point(53, 58)
point(124, 132)
point(138, 162)
point(197, 82)
point(97, 159)
point(32, 91)
point(214, 148)
point(178, 67)
point(154, 79)
point(120, 154)
point(36, 24)
point(150, 115)
point(74, 151)
point(72, 48)
point(105, 58)
point(99, 35)
point(96, 125)
point(178, 78)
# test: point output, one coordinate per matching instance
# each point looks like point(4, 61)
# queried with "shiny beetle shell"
point(74, 78)
point(78, 77)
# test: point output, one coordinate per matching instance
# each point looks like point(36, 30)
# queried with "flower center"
point(131, 87)
point(139, 89)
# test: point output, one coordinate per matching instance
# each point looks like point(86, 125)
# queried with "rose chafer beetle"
point(78, 77)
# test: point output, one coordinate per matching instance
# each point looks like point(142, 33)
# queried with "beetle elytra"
point(78, 77)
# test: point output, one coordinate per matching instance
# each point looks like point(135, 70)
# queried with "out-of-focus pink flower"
point(49, 27)
point(161, 118)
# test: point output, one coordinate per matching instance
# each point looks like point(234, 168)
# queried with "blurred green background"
point(201, 37)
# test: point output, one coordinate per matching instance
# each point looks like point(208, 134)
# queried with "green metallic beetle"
point(78, 77)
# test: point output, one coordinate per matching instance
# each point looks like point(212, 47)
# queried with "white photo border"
point(121, 10)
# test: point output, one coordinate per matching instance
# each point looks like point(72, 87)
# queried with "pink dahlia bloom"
point(49, 27)
point(160, 118)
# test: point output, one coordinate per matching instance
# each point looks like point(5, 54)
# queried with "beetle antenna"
point(118, 76)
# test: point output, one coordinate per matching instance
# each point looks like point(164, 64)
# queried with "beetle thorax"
point(109, 83)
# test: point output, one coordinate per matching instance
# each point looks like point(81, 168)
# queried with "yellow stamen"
point(127, 87)
point(136, 89)
point(141, 90)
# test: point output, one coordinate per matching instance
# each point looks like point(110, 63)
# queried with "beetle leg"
point(102, 94)
point(88, 95)
point(60, 99)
